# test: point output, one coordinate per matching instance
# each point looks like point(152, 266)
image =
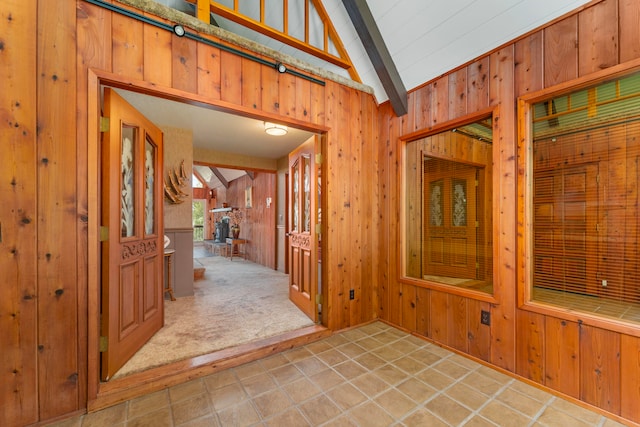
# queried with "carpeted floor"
point(235, 303)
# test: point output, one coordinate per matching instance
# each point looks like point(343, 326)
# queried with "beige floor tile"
point(503, 415)
point(409, 365)
point(391, 374)
point(395, 403)
point(326, 379)
point(531, 391)
point(148, 403)
point(482, 383)
point(369, 343)
point(289, 418)
point(416, 390)
point(242, 414)
point(274, 361)
point(435, 379)
point(337, 340)
point(425, 356)
point(320, 409)
point(552, 417)
point(371, 415)
point(575, 411)
point(407, 345)
point(297, 354)
point(349, 369)
point(285, 374)
point(310, 366)
point(370, 385)
point(161, 418)
point(107, 417)
point(520, 402)
point(191, 408)
point(467, 396)
point(332, 357)
point(186, 390)
point(342, 421)
point(423, 417)
point(73, 422)
point(219, 380)
point(249, 370)
point(318, 346)
point(387, 353)
point(478, 421)
point(258, 384)
point(370, 361)
point(346, 396)
point(447, 409)
point(451, 369)
point(301, 390)
point(271, 403)
point(227, 396)
point(208, 421)
point(351, 350)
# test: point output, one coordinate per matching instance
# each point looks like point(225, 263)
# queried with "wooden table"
point(168, 258)
point(232, 246)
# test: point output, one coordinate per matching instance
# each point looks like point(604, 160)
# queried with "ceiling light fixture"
point(275, 129)
point(281, 67)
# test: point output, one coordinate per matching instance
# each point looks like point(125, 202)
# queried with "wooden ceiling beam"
point(220, 176)
point(379, 55)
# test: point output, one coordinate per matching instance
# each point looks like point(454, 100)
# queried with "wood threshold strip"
point(134, 385)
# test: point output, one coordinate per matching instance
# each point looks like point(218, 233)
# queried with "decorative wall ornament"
point(176, 179)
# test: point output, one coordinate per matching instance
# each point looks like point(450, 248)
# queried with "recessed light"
point(281, 67)
point(178, 30)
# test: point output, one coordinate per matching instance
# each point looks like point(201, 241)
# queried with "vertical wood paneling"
point(303, 99)
point(316, 104)
point(384, 179)
point(600, 368)
point(458, 93)
point(440, 100)
point(394, 309)
point(184, 54)
point(457, 319)
point(369, 216)
point(423, 310)
point(629, 16)
point(561, 356)
point(439, 320)
point(528, 64)
point(270, 82)
point(251, 92)
point(18, 190)
point(504, 201)
point(157, 55)
point(530, 345)
point(357, 188)
point(478, 85)
point(127, 46)
point(409, 304)
point(93, 28)
point(208, 76)
point(230, 77)
point(598, 37)
point(421, 108)
point(57, 292)
point(479, 334)
point(561, 51)
point(286, 94)
point(630, 380)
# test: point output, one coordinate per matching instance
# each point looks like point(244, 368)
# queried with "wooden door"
point(133, 253)
point(451, 223)
point(303, 217)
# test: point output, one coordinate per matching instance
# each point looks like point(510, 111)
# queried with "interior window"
point(448, 216)
point(584, 159)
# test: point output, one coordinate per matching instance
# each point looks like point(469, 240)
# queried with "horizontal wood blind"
point(586, 152)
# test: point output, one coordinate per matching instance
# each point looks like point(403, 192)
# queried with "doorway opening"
point(112, 386)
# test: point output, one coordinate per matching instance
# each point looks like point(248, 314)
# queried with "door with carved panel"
point(132, 253)
point(303, 217)
point(451, 221)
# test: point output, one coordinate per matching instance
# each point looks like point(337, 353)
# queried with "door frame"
point(100, 394)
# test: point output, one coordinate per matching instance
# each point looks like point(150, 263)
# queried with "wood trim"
point(134, 385)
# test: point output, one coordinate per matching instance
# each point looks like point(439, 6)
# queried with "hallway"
point(373, 375)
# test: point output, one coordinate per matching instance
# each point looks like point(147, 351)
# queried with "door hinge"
point(318, 298)
point(318, 158)
point(104, 124)
point(104, 344)
point(104, 233)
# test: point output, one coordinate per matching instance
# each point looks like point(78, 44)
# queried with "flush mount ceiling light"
point(275, 129)
point(178, 30)
point(281, 67)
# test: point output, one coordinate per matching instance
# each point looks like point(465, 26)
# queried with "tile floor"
point(374, 375)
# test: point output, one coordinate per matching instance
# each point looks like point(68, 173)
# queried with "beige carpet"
point(237, 302)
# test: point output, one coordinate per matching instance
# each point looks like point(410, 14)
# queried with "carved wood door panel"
point(303, 242)
point(132, 255)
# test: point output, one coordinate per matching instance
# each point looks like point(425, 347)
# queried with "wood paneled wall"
point(595, 365)
point(49, 239)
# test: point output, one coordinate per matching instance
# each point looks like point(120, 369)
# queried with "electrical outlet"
point(485, 317)
point(352, 294)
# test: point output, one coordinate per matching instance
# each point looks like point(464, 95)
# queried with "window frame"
point(401, 260)
point(524, 199)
